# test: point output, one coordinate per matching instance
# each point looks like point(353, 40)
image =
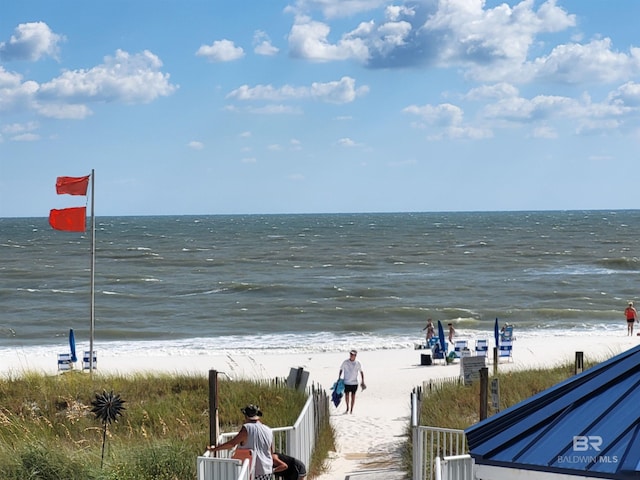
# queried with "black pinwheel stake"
point(107, 407)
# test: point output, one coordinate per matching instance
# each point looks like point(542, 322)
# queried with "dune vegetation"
point(48, 430)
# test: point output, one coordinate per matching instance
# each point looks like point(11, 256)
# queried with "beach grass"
point(451, 404)
point(47, 429)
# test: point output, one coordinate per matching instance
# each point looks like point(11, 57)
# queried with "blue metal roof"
point(588, 425)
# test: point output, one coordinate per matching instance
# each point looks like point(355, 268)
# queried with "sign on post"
point(470, 369)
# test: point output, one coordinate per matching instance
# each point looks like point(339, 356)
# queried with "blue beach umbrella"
point(496, 334)
point(441, 336)
point(72, 345)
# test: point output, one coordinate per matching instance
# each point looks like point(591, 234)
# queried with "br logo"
point(582, 443)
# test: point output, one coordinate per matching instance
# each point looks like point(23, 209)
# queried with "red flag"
point(69, 219)
point(72, 185)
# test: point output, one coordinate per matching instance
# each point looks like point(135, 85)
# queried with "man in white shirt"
point(351, 367)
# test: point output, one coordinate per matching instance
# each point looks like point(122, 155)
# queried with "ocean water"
point(175, 285)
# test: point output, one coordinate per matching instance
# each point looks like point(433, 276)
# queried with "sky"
point(320, 106)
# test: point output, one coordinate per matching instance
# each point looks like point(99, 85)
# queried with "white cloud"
point(538, 108)
point(262, 44)
point(123, 77)
point(473, 33)
point(394, 13)
point(31, 41)
point(498, 90)
point(341, 91)
point(444, 114)
point(594, 62)
point(487, 44)
point(543, 107)
point(628, 94)
point(598, 126)
point(26, 137)
point(14, 93)
point(448, 120)
point(195, 145)
point(62, 110)
point(309, 39)
point(348, 143)
point(21, 132)
point(220, 51)
point(17, 128)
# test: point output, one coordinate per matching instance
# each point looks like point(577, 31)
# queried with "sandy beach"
point(371, 436)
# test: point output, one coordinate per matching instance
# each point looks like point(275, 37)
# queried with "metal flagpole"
point(93, 268)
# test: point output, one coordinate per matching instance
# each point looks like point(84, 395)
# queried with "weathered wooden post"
point(495, 361)
point(579, 363)
point(214, 424)
point(484, 392)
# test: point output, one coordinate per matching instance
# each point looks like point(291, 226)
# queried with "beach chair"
point(64, 362)
point(482, 347)
point(506, 350)
point(86, 362)
point(459, 346)
point(507, 333)
point(438, 353)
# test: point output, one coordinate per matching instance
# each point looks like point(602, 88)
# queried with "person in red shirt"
point(632, 317)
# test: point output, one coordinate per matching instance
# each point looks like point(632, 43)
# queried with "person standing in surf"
point(430, 330)
point(351, 367)
point(452, 333)
point(632, 317)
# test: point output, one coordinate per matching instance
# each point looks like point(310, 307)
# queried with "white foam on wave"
point(286, 343)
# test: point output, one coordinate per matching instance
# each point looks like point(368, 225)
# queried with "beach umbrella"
point(496, 334)
point(441, 336)
point(72, 345)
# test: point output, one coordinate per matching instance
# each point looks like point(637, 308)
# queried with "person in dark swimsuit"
point(288, 468)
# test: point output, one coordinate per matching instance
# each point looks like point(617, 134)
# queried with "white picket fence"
point(222, 468)
point(438, 453)
point(458, 467)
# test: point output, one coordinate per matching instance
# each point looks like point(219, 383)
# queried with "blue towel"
point(338, 391)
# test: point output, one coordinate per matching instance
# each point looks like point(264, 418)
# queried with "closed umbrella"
point(441, 337)
point(72, 345)
point(496, 334)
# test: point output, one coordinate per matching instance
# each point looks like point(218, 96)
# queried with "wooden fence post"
point(213, 407)
point(484, 392)
point(579, 363)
